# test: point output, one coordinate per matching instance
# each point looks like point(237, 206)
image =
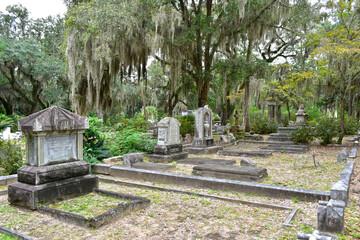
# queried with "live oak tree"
point(31, 66)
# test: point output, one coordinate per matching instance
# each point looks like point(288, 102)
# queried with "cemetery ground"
point(180, 216)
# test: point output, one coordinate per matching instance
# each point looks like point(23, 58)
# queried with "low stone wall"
point(331, 213)
point(208, 182)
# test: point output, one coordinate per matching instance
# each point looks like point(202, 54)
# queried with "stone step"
point(240, 153)
point(280, 139)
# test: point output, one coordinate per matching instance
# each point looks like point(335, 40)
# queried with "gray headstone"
point(245, 162)
point(331, 216)
point(169, 131)
point(353, 152)
point(131, 158)
point(343, 155)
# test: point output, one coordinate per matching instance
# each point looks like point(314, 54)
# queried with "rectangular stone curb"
point(101, 168)
point(14, 234)
point(6, 180)
point(220, 184)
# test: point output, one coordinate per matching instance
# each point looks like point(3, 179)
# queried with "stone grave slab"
point(230, 172)
point(153, 166)
point(240, 153)
point(198, 161)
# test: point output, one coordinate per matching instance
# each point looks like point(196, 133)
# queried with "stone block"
point(198, 161)
point(339, 191)
point(245, 162)
point(40, 175)
point(161, 158)
point(168, 149)
point(132, 158)
point(29, 196)
point(230, 172)
point(101, 168)
point(343, 156)
point(316, 235)
point(331, 216)
point(203, 150)
point(353, 152)
point(241, 153)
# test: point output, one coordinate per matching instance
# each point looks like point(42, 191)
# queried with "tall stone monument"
point(54, 168)
point(203, 142)
point(169, 146)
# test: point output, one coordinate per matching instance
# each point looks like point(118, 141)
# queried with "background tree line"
point(110, 57)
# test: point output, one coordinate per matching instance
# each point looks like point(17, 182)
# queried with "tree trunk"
point(142, 96)
point(247, 91)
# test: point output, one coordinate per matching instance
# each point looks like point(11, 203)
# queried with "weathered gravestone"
point(203, 142)
point(169, 146)
point(54, 152)
point(331, 216)
point(343, 156)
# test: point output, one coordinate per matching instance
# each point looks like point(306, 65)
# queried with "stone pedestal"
point(169, 146)
point(54, 151)
point(203, 142)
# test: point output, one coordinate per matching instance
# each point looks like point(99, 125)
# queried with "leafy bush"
point(138, 124)
point(10, 157)
point(94, 149)
point(351, 126)
point(260, 124)
point(131, 140)
point(326, 129)
point(302, 134)
point(187, 125)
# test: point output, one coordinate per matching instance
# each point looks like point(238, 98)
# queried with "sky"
point(38, 8)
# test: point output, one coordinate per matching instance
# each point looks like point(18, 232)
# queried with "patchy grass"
point(89, 205)
point(4, 236)
point(2, 188)
point(290, 170)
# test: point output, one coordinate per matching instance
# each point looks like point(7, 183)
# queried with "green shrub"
point(302, 134)
point(94, 149)
point(138, 124)
point(187, 125)
point(10, 157)
point(259, 124)
point(131, 140)
point(326, 129)
point(351, 126)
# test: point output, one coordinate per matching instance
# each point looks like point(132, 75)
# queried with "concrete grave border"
point(208, 182)
point(226, 199)
point(122, 209)
point(14, 234)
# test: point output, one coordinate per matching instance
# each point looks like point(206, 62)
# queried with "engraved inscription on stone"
point(174, 150)
point(162, 134)
point(174, 136)
point(61, 147)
